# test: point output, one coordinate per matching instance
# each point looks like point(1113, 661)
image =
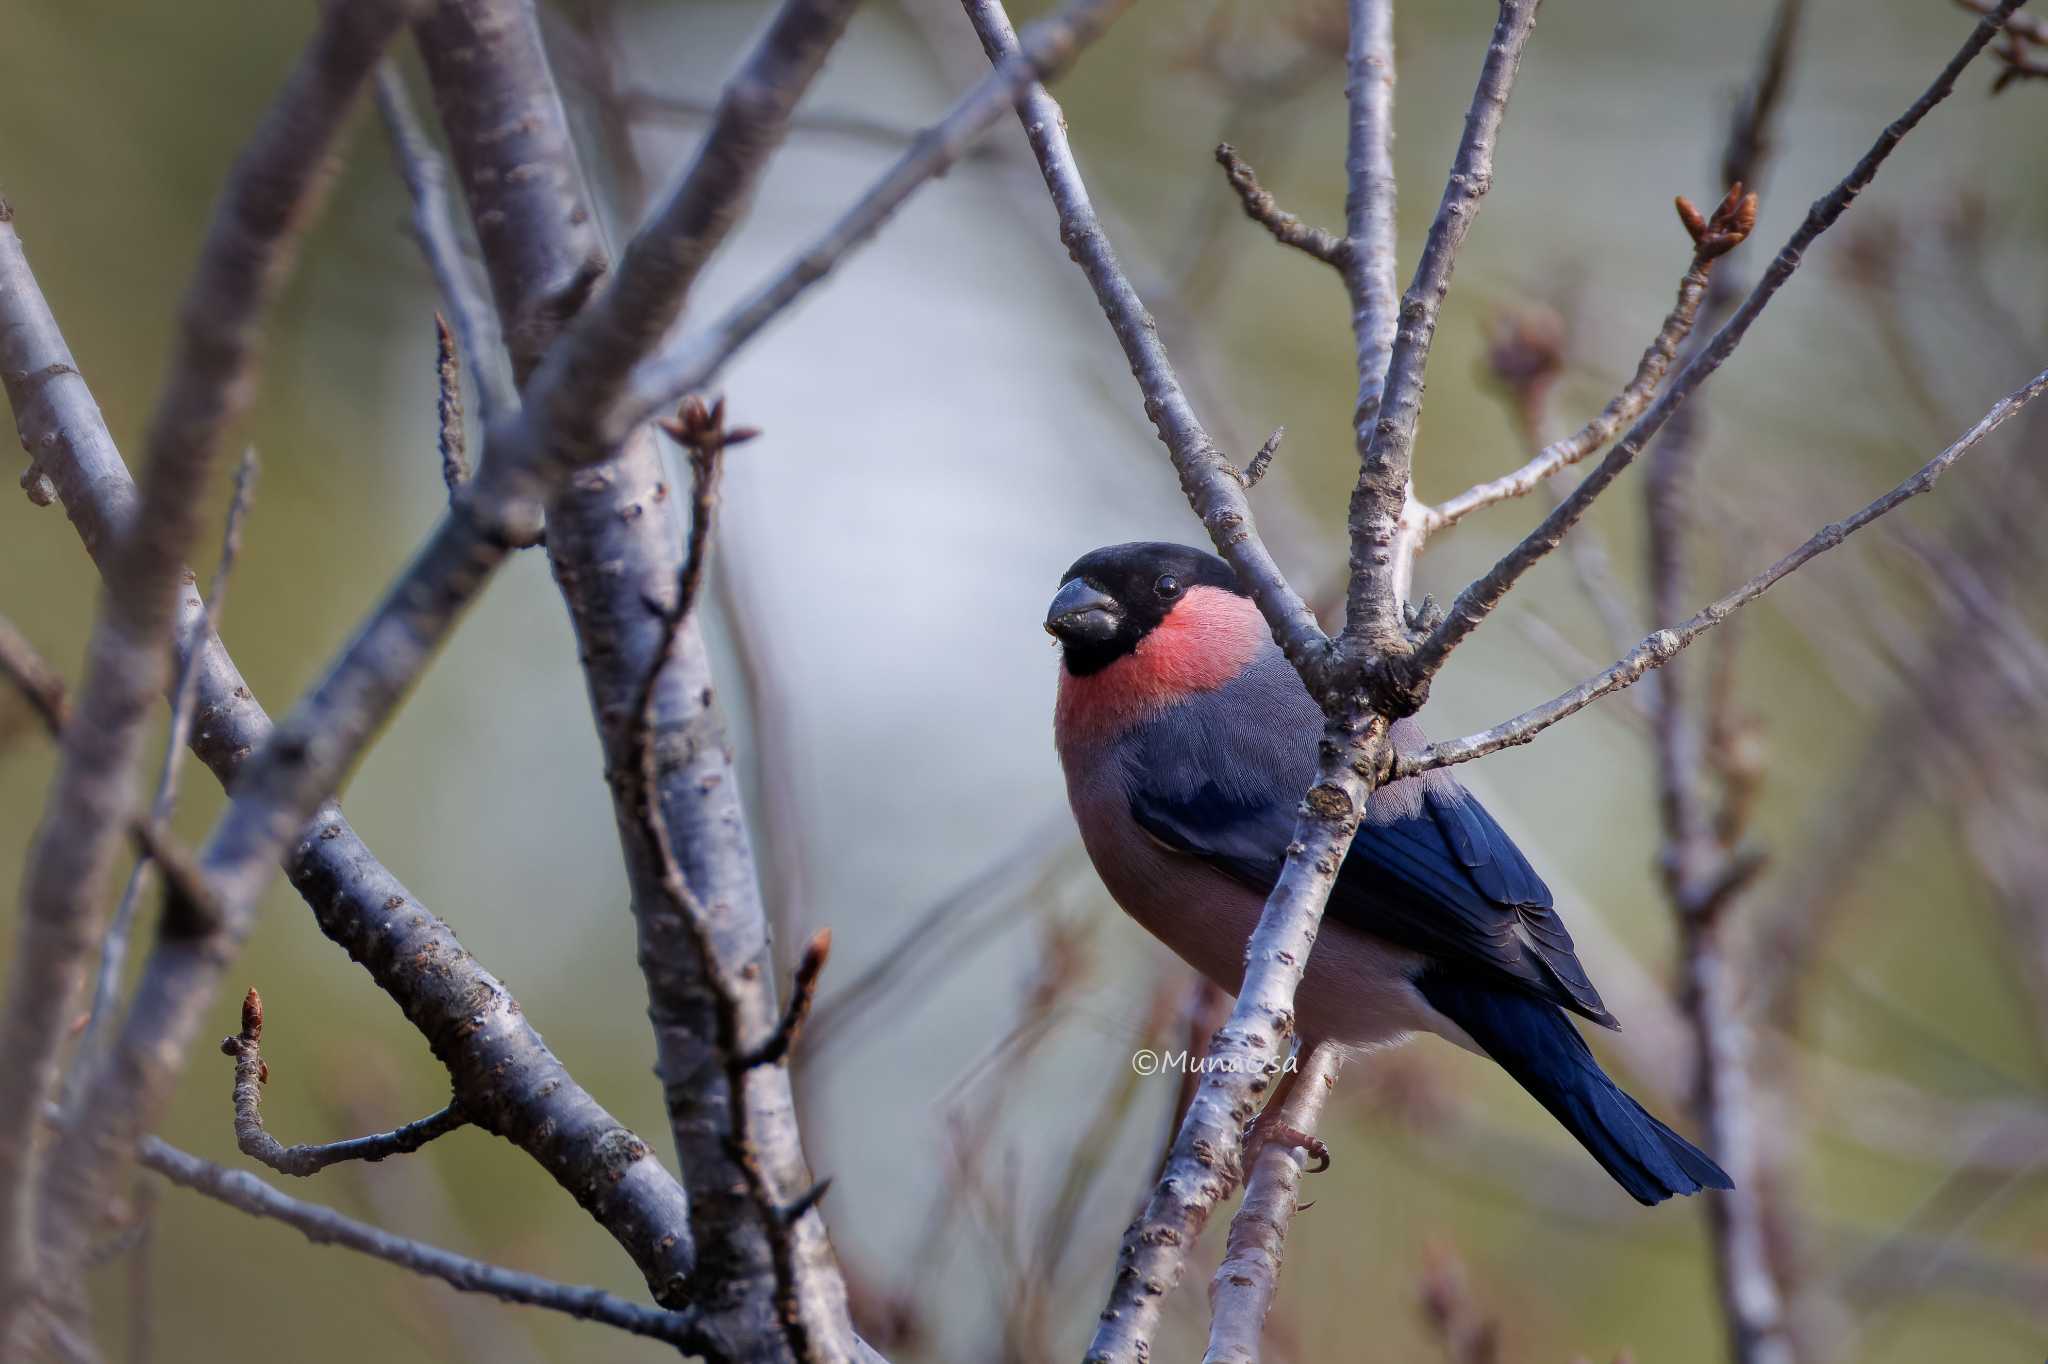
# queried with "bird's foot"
point(1261, 1133)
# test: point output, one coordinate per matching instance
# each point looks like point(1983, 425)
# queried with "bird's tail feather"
point(1536, 1043)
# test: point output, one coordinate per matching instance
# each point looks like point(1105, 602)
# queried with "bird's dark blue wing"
point(1430, 869)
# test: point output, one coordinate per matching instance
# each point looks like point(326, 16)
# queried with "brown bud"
point(252, 1015)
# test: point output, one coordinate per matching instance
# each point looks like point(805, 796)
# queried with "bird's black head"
point(1114, 596)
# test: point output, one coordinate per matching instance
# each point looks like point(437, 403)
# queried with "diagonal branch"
point(184, 701)
point(252, 1073)
point(1624, 407)
point(1386, 437)
point(324, 1226)
point(433, 226)
point(275, 187)
point(1242, 1289)
point(508, 1080)
point(1661, 646)
point(1478, 599)
point(1046, 49)
point(1208, 478)
point(1262, 208)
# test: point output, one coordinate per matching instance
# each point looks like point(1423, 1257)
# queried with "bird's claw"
point(1261, 1134)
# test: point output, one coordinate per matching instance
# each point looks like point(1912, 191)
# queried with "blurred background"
point(947, 424)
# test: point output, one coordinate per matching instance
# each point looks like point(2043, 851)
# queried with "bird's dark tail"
point(1536, 1043)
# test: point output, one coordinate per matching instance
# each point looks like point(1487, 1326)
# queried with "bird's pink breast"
point(1208, 638)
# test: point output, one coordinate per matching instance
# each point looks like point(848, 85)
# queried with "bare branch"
point(1207, 476)
point(1241, 1292)
point(1370, 248)
point(1373, 601)
point(252, 1073)
point(453, 445)
point(1661, 646)
point(324, 1226)
point(775, 1049)
point(29, 672)
point(1263, 209)
point(34, 678)
point(1622, 408)
point(509, 1081)
point(1478, 600)
point(1047, 49)
point(186, 880)
point(1263, 460)
point(275, 187)
point(433, 225)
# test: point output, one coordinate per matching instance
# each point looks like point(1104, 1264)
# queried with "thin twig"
point(433, 226)
point(28, 671)
point(1263, 209)
point(1046, 50)
point(775, 1049)
point(1374, 619)
point(453, 445)
point(34, 678)
point(1622, 408)
point(1659, 647)
point(323, 1226)
point(252, 1073)
point(1478, 599)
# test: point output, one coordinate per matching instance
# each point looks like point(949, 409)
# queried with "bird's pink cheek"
point(1208, 639)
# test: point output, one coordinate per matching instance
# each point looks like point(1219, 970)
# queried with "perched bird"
point(1188, 742)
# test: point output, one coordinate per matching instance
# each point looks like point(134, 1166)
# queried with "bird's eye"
point(1168, 586)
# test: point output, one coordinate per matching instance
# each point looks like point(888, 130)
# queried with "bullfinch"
point(1188, 742)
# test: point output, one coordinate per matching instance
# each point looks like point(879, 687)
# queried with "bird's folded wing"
point(1438, 876)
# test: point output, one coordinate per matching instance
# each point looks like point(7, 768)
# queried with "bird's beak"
point(1082, 613)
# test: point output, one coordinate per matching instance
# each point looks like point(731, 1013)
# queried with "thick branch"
point(324, 1226)
point(252, 1073)
point(275, 187)
point(1478, 599)
point(1659, 647)
point(1374, 617)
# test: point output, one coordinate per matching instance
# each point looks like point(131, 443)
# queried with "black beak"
point(1082, 613)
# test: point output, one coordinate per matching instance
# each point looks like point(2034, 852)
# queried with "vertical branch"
point(1370, 247)
point(614, 540)
point(1703, 871)
point(1374, 617)
point(274, 189)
